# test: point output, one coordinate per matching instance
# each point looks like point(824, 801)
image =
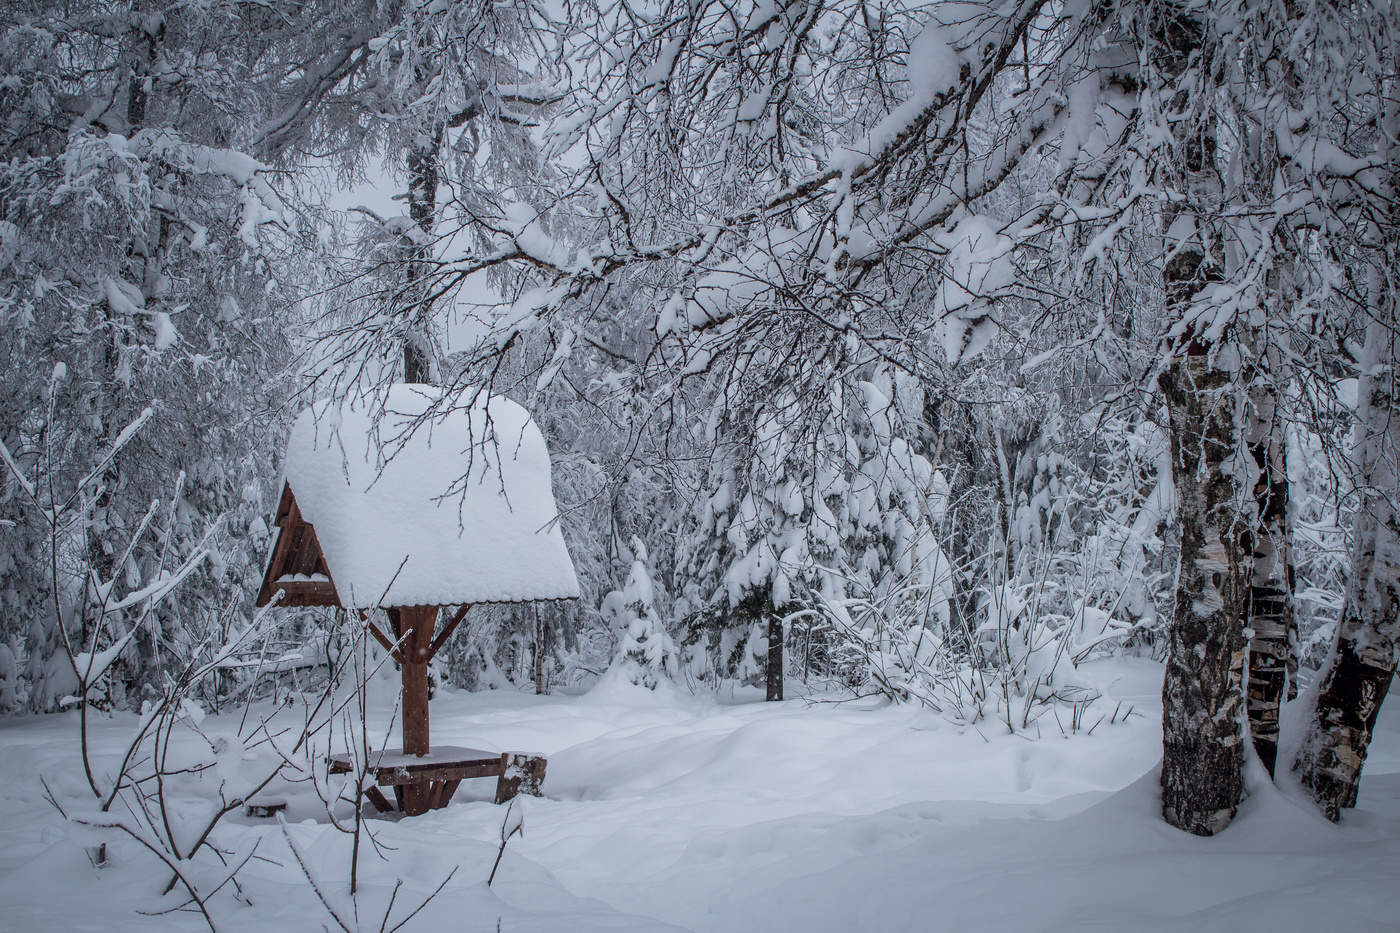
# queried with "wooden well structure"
point(411, 508)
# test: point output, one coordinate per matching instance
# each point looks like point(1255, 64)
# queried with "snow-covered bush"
point(844, 509)
point(1079, 567)
point(166, 792)
point(645, 651)
point(136, 249)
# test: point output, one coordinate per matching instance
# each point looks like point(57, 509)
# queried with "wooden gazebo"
point(429, 506)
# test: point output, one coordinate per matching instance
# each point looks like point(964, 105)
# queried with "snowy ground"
point(672, 812)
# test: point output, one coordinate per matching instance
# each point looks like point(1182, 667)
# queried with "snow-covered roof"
point(396, 523)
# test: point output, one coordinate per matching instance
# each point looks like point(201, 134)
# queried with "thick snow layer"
point(396, 522)
point(665, 811)
point(440, 755)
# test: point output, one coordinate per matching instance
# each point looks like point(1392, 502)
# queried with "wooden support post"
point(415, 709)
point(415, 626)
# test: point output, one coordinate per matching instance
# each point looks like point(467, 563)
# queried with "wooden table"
point(427, 782)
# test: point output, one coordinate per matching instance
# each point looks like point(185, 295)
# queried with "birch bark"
point(1201, 692)
point(1363, 663)
point(1272, 646)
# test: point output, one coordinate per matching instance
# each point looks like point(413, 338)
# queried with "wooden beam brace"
point(445, 790)
point(376, 797)
point(380, 637)
point(447, 631)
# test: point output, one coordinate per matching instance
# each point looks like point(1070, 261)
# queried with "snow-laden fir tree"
point(832, 523)
point(645, 651)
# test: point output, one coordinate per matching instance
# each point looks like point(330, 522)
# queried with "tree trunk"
point(1201, 693)
point(774, 667)
point(1368, 634)
point(539, 651)
point(1270, 603)
point(422, 208)
point(1201, 755)
point(1273, 646)
point(116, 406)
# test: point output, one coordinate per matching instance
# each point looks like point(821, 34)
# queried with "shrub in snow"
point(1066, 561)
point(645, 651)
point(133, 258)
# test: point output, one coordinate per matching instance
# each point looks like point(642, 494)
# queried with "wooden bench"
point(427, 782)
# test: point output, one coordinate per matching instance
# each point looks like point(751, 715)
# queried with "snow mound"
point(438, 502)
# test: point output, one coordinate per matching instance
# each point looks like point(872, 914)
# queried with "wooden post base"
point(520, 774)
point(417, 799)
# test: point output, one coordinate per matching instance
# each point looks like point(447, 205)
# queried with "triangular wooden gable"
point(297, 568)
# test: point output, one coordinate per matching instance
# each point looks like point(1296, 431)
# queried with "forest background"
point(927, 350)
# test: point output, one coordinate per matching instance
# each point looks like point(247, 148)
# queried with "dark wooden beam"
point(416, 632)
point(447, 631)
point(279, 548)
point(380, 637)
point(296, 551)
point(376, 797)
point(304, 588)
point(398, 777)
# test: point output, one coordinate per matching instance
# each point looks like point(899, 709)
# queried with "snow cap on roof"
point(396, 522)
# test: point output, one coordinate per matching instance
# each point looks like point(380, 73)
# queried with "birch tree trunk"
point(1368, 634)
point(1201, 693)
point(1272, 646)
point(423, 172)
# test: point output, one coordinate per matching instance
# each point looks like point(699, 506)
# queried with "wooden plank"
point(394, 759)
point(444, 792)
point(297, 531)
point(391, 777)
point(416, 798)
point(284, 505)
point(320, 598)
point(313, 560)
point(376, 797)
point(279, 548)
point(294, 588)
